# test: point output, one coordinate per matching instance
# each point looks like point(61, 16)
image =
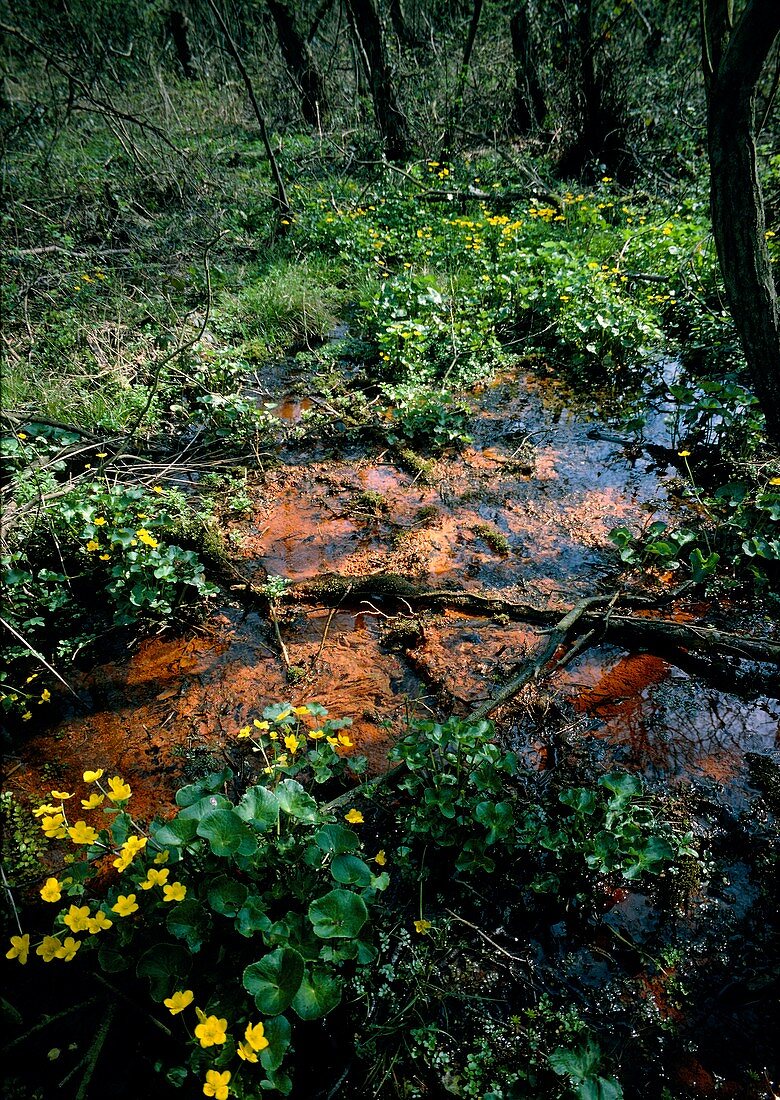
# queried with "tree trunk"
point(178, 28)
point(734, 56)
point(300, 62)
point(391, 122)
point(529, 108)
point(463, 73)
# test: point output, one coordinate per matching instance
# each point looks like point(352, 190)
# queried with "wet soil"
point(524, 511)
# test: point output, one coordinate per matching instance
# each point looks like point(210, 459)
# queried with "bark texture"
point(367, 31)
point(734, 55)
point(300, 62)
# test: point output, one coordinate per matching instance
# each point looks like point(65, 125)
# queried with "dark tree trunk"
point(734, 56)
point(300, 62)
point(463, 73)
point(391, 122)
point(529, 107)
point(400, 23)
point(178, 29)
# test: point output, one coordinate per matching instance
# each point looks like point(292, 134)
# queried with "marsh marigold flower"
point(125, 905)
point(77, 918)
point(155, 878)
point(92, 777)
point(93, 801)
point(48, 948)
point(118, 791)
point(354, 817)
point(422, 926)
point(179, 1001)
point(81, 833)
point(61, 794)
point(217, 1084)
point(54, 827)
point(292, 743)
point(210, 1031)
point(99, 923)
point(51, 890)
point(380, 857)
point(177, 891)
point(20, 948)
point(68, 949)
point(246, 1053)
point(255, 1036)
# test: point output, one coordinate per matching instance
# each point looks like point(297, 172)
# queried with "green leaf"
point(277, 1032)
point(351, 871)
point(580, 1063)
point(259, 808)
point(112, 961)
point(318, 994)
point(622, 784)
point(338, 915)
point(186, 796)
point(175, 834)
point(580, 799)
point(165, 965)
point(202, 807)
point(227, 833)
point(295, 802)
point(252, 917)
point(274, 980)
point(336, 840)
point(600, 1088)
point(190, 922)
point(226, 896)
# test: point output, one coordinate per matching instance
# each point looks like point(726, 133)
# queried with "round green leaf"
point(277, 1031)
point(351, 871)
point(318, 994)
point(338, 915)
point(175, 834)
point(259, 808)
point(190, 922)
point(226, 896)
point(274, 980)
point(294, 800)
point(226, 833)
point(336, 840)
point(165, 965)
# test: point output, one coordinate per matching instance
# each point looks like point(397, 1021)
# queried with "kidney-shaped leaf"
point(165, 965)
point(338, 915)
point(259, 808)
point(318, 994)
point(274, 980)
point(226, 833)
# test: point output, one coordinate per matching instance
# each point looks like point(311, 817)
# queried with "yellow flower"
point(345, 742)
point(61, 794)
point(119, 790)
point(255, 1036)
point(245, 731)
point(156, 489)
point(217, 1083)
point(284, 714)
point(45, 695)
point(93, 801)
point(105, 557)
point(53, 827)
point(300, 710)
point(354, 817)
point(246, 1052)
point(260, 725)
point(683, 454)
point(162, 857)
point(77, 918)
point(45, 808)
point(774, 481)
point(48, 948)
point(81, 833)
point(125, 905)
point(155, 878)
point(333, 741)
point(422, 926)
point(100, 521)
point(292, 743)
point(380, 857)
point(20, 948)
point(92, 546)
point(99, 923)
point(179, 1001)
point(317, 734)
point(92, 777)
point(51, 890)
point(211, 1032)
point(68, 949)
point(143, 536)
point(177, 891)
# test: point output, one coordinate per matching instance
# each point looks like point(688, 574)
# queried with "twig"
point(484, 935)
point(9, 891)
point(39, 657)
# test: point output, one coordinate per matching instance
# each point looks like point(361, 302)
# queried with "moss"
point(370, 503)
point(497, 542)
point(421, 467)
